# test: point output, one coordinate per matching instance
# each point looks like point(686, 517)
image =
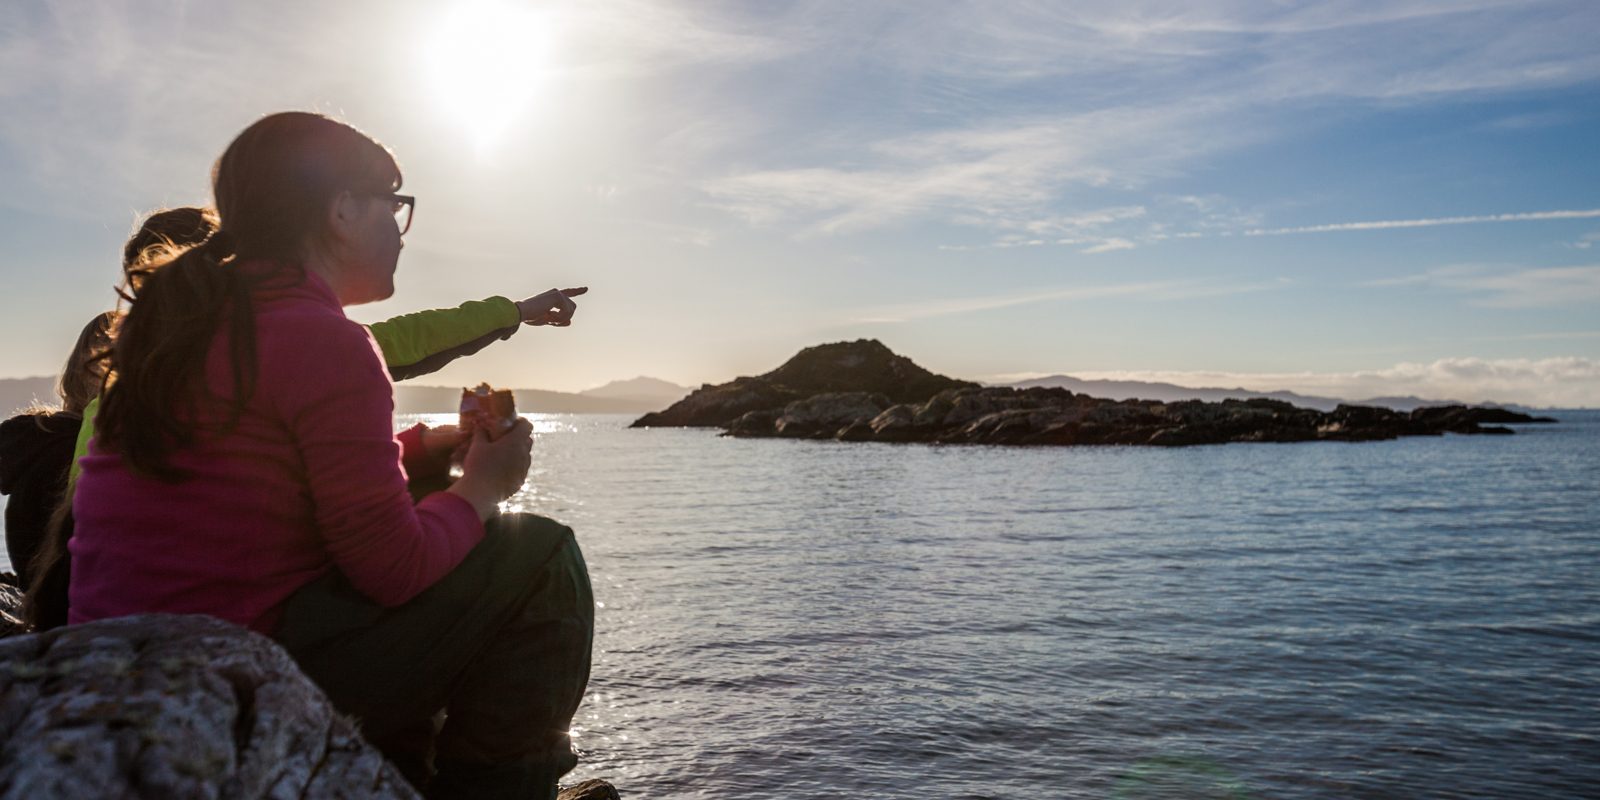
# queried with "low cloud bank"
point(1564, 382)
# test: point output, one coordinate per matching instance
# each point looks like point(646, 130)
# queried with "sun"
point(486, 63)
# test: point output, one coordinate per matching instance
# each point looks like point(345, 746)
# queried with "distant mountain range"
point(650, 392)
point(618, 397)
point(1169, 392)
point(19, 393)
point(633, 396)
point(638, 395)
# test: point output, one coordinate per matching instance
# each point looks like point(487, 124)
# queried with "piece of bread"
point(493, 410)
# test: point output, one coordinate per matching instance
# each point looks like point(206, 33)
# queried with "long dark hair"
point(273, 188)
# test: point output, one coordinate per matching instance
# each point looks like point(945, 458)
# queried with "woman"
point(244, 467)
point(36, 447)
point(412, 345)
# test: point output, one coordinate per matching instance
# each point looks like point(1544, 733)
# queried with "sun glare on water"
point(487, 62)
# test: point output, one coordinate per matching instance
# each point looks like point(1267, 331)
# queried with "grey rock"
point(896, 424)
point(716, 406)
point(594, 789)
point(823, 415)
point(167, 706)
point(858, 431)
point(754, 423)
point(163, 706)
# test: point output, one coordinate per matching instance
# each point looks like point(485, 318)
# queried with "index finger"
point(575, 292)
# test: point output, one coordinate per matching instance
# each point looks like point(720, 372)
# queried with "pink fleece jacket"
point(310, 479)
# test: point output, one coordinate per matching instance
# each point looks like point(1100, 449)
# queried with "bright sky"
point(1349, 198)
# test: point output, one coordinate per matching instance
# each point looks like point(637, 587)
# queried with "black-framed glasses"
point(404, 206)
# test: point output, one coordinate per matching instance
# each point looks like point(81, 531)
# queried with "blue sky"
point(1345, 198)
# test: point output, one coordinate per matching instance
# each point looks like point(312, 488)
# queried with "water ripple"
point(1415, 619)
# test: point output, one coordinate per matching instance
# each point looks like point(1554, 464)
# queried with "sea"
point(1416, 618)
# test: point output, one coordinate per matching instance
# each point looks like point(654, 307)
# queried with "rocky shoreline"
point(1003, 416)
point(862, 392)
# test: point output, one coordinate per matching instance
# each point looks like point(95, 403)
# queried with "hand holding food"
point(492, 411)
point(442, 440)
point(499, 451)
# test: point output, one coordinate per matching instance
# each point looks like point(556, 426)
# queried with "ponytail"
point(158, 362)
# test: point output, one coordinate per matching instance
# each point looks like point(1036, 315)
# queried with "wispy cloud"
point(1412, 45)
point(1522, 288)
point(1147, 290)
point(1585, 241)
point(1563, 382)
point(1110, 245)
point(1222, 225)
point(1001, 176)
point(1167, 217)
point(1154, 89)
point(906, 312)
point(1542, 119)
point(644, 35)
point(1375, 225)
point(1062, 224)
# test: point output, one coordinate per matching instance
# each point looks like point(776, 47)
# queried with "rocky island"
point(864, 366)
point(862, 391)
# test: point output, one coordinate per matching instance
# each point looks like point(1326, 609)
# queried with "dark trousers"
point(501, 645)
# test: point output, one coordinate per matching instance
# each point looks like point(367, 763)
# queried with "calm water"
point(784, 619)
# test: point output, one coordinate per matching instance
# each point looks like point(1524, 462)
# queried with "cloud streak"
point(1377, 225)
point(1108, 246)
point(1160, 232)
point(1147, 290)
point(1545, 287)
point(907, 312)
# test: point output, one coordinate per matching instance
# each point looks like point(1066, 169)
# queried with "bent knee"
point(530, 540)
point(530, 529)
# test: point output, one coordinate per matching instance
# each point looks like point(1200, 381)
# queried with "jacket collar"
point(280, 280)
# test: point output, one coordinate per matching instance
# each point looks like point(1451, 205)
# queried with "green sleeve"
point(410, 338)
point(85, 433)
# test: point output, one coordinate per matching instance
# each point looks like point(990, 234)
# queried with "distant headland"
point(863, 391)
point(618, 397)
